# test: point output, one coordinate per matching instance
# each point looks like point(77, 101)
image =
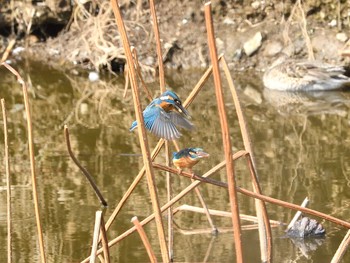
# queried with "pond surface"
point(301, 144)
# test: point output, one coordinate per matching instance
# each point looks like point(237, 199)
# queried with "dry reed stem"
point(138, 71)
point(265, 235)
point(144, 239)
point(198, 86)
point(168, 204)
point(104, 241)
point(96, 236)
point(8, 50)
point(297, 214)
point(225, 134)
point(221, 184)
point(215, 212)
point(82, 169)
point(255, 195)
point(158, 45)
point(222, 230)
point(341, 249)
point(32, 159)
point(8, 183)
point(142, 133)
point(170, 209)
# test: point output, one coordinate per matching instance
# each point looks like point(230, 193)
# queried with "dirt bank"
point(250, 34)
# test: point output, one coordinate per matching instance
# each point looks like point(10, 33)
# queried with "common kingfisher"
point(163, 115)
point(188, 157)
point(288, 74)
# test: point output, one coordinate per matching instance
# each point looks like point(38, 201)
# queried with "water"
point(301, 145)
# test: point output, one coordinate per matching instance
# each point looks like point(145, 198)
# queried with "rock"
point(253, 94)
point(272, 48)
point(333, 23)
point(94, 76)
point(253, 44)
point(342, 37)
point(306, 227)
point(255, 4)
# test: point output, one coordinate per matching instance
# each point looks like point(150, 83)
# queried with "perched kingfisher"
point(188, 157)
point(288, 74)
point(163, 115)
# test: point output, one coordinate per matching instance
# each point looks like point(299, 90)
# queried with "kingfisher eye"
point(177, 101)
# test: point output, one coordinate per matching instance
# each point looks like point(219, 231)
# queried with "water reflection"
point(301, 142)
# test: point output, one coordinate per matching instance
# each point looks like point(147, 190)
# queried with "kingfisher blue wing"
point(181, 121)
point(160, 124)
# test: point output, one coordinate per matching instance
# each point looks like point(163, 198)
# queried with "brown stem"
point(225, 134)
point(142, 133)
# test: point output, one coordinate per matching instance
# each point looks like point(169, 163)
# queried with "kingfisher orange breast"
point(166, 106)
point(185, 162)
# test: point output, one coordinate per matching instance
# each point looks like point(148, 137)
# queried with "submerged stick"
point(142, 133)
point(341, 249)
point(84, 171)
point(32, 160)
point(144, 239)
point(8, 183)
point(215, 212)
point(225, 134)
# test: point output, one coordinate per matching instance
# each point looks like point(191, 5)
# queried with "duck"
point(287, 74)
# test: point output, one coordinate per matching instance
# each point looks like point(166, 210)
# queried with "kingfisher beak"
point(182, 110)
point(202, 154)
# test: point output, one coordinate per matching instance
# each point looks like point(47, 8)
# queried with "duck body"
point(304, 75)
point(164, 115)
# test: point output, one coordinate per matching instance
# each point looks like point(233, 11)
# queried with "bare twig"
point(84, 171)
point(32, 159)
point(8, 183)
point(144, 239)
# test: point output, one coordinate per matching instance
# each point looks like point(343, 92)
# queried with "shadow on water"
point(301, 142)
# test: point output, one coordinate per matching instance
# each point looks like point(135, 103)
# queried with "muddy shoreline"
point(250, 35)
